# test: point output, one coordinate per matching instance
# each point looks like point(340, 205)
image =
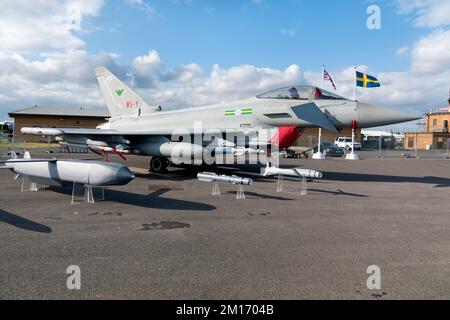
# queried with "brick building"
point(436, 134)
point(50, 117)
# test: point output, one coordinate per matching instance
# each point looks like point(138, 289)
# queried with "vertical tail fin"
point(120, 100)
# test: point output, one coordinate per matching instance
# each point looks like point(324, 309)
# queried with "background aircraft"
point(137, 128)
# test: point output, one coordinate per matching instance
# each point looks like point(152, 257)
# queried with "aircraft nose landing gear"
point(158, 164)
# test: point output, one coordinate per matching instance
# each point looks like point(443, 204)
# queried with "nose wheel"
point(158, 164)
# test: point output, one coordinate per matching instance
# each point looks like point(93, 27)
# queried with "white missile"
point(295, 172)
point(214, 177)
point(57, 172)
point(237, 151)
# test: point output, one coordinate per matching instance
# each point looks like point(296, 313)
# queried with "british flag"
point(326, 76)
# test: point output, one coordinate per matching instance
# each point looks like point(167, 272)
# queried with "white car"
point(346, 143)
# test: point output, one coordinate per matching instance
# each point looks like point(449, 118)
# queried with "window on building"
point(410, 142)
point(434, 122)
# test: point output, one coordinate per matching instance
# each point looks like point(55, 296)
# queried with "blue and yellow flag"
point(365, 81)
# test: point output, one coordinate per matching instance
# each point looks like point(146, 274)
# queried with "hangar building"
point(51, 117)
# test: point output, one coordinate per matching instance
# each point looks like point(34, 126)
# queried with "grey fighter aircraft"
point(137, 128)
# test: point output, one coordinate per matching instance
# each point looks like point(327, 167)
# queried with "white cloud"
point(186, 85)
point(42, 56)
point(292, 32)
point(141, 4)
point(431, 54)
point(146, 69)
point(403, 51)
point(42, 25)
point(426, 13)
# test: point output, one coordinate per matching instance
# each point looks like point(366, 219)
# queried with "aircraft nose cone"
point(371, 116)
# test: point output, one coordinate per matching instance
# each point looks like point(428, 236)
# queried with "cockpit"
point(301, 93)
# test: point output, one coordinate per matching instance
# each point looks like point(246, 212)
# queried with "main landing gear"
point(158, 164)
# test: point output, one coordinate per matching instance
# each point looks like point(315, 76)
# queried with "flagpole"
point(323, 75)
point(354, 84)
point(320, 129)
point(319, 155)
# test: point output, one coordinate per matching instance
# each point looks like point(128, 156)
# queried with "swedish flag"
point(366, 81)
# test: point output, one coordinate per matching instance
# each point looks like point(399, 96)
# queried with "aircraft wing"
point(113, 132)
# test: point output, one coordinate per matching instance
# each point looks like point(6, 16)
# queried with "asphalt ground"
point(166, 236)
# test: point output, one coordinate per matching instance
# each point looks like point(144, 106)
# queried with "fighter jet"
point(137, 128)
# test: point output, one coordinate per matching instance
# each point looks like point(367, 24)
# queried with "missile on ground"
point(59, 172)
point(239, 151)
point(295, 172)
point(214, 177)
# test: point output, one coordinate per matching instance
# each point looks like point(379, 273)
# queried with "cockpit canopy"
point(300, 93)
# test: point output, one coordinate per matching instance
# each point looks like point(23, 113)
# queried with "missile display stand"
point(28, 186)
point(214, 178)
point(304, 186)
point(280, 183)
point(88, 195)
point(240, 193)
point(216, 189)
point(304, 190)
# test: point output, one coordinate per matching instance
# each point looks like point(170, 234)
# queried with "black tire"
point(158, 164)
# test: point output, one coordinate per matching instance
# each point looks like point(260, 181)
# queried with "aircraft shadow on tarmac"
point(439, 182)
point(23, 223)
point(153, 200)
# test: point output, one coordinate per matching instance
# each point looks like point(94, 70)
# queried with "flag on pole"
point(365, 81)
point(326, 76)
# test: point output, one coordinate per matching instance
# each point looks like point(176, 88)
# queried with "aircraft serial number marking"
point(131, 104)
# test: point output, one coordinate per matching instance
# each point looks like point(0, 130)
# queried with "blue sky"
point(243, 32)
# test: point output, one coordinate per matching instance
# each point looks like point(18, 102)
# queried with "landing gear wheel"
point(158, 164)
point(348, 148)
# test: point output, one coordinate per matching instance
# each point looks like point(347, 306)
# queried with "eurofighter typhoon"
point(137, 128)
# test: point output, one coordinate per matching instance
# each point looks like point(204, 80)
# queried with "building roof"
point(62, 111)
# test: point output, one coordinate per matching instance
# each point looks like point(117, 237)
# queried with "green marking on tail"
point(120, 91)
